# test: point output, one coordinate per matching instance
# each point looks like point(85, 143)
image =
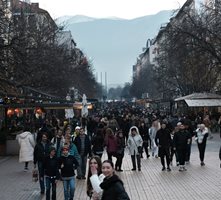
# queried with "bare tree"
point(189, 59)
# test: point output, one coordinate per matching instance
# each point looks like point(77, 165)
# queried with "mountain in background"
point(113, 44)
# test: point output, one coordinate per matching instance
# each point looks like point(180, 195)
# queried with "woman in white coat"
point(134, 142)
point(201, 136)
point(26, 143)
point(95, 178)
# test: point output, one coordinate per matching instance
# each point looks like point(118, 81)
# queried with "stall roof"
point(203, 102)
point(204, 96)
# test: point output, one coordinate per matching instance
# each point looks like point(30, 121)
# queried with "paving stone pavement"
point(197, 183)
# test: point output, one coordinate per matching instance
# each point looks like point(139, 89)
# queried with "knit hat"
point(52, 149)
point(65, 148)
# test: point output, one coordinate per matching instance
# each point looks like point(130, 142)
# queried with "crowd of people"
point(64, 149)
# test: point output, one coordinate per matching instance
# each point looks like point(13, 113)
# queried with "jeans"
point(41, 176)
point(154, 149)
point(81, 170)
point(50, 182)
point(69, 189)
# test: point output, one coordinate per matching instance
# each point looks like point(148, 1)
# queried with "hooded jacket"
point(27, 144)
point(134, 142)
point(113, 189)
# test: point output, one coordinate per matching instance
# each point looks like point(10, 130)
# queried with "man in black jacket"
point(181, 140)
point(51, 170)
point(41, 150)
point(163, 141)
point(83, 145)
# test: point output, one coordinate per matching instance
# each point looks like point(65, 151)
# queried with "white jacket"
point(134, 142)
point(27, 144)
point(95, 182)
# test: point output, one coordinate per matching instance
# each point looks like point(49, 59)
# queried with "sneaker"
point(181, 169)
point(133, 169)
point(25, 169)
point(168, 169)
point(163, 169)
point(202, 164)
point(120, 170)
point(177, 163)
point(184, 169)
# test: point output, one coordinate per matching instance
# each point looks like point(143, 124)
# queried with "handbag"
point(139, 148)
point(35, 175)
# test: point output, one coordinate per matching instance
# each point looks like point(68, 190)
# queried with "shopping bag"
point(35, 175)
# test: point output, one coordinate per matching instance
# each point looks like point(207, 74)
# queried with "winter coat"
point(201, 136)
point(50, 166)
point(98, 143)
point(113, 189)
point(152, 134)
point(95, 182)
point(58, 145)
point(40, 152)
point(181, 139)
point(87, 145)
point(27, 144)
point(74, 152)
point(134, 142)
point(145, 135)
point(69, 165)
point(163, 141)
point(111, 144)
point(120, 145)
point(163, 138)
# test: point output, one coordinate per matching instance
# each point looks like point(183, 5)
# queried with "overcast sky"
point(127, 9)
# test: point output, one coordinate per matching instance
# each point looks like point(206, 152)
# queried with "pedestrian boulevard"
point(197, 183)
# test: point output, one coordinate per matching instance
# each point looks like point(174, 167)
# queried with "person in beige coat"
point(26, 143)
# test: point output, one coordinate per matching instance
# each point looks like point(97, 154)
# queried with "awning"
point(203, 102)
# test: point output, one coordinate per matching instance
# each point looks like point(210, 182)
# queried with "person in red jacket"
point(111, 143)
